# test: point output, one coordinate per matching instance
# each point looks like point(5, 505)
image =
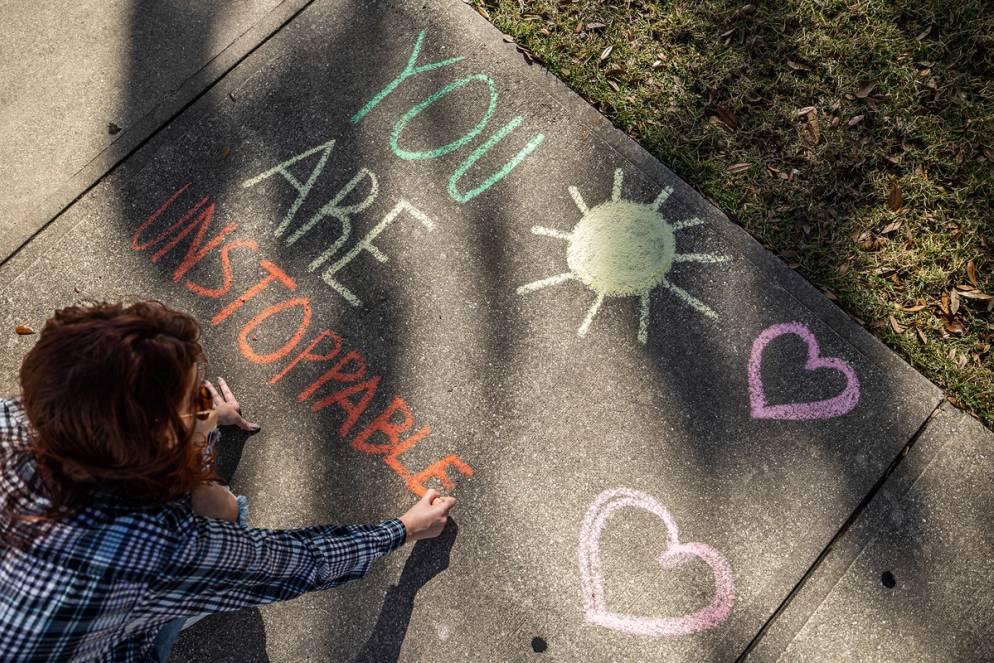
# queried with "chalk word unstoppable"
point(824, 409)
point(346, 384)
point(676, 554)
point(336, 207)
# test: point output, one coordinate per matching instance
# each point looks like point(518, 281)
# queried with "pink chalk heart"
point(675, 554)
point(824, 409)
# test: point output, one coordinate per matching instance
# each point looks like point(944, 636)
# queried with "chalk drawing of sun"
point(622, 248)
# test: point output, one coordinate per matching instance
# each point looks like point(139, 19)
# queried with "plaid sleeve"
point(219, 566)
point(13, 432)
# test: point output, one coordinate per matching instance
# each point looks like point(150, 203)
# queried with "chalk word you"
point(481, 81)
point(676, 554)
point(622, 248)
point(345, 383)
point(824, 409)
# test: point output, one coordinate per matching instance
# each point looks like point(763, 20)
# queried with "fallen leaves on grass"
point(895, 325)
point(895, 201)
point(865, 89)
point(971, 272)
point(739, 167)
point(606, 53)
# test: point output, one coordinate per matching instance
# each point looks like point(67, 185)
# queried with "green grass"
point(708, 84)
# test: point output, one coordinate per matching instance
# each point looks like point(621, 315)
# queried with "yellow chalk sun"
point(621, 248)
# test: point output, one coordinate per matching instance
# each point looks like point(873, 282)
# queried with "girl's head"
point(110, 392)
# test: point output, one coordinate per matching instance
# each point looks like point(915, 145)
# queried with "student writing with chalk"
point(114, 528)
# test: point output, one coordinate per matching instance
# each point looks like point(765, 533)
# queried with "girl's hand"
point(229, 413)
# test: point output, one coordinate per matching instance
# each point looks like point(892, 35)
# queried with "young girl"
point(113, 530)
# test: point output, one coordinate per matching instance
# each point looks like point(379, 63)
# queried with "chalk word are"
point(823, 409)
point(346, 382)
point(676, 554)
point(343, 213)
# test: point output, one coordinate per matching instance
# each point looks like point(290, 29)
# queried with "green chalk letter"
point(409, 70)
point(459, 142)
point(302, 189)
point(499, 174)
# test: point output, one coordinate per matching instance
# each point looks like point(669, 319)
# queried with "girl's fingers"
point(217, 397)
point(228, 396)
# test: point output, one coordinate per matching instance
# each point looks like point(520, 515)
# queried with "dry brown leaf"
point(579, 28)
point(894, 200)
point(812, 130)
point(919, 305)
point(944, 303)
point(483, 11)
point(924, 33)
point(798, 66)
point(24, 330)
point(971, 273)
point(954, 326)
point(606, 53)
point(595, 26)
point(614, 86)
point(921, 335)
point(843, 269)
point(739, 167)
point(805, 110)
point(727, 117)
point(614, 70)
point(895, 325)
point(953, 302)
point(831, 295)
point(656, 64)
point(865, 89)
point(855, 120)
point(894, 226)
point(976, 294)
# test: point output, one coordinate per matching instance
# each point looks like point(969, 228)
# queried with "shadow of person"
point(228, 451)
point(428, 558)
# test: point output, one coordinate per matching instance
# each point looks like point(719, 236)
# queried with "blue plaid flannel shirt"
point(99, 585)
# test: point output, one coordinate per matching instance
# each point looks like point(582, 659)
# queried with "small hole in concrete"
point(887, 578)
point(539, 645)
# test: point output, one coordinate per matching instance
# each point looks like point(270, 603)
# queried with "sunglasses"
point(203, 403)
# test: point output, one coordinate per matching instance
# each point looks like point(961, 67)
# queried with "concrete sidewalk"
point(423, 262)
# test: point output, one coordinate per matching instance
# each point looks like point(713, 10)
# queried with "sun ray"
point(662, 198)
point(552, 232)
point(590, 315)
point(546, 282)
point(578, 199)
point(699, 257)
point(619, 179)
point(644, 319)
point(690, 299)
point(687, 223)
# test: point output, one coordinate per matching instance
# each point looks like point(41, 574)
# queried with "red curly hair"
point(105, 391)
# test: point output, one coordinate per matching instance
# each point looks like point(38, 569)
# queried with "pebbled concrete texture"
point(72, 69)
point(547, 419)
point(923, 589)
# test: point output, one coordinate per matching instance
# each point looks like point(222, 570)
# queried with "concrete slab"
point(922, 589)
point(87, 82)
point(546, 412)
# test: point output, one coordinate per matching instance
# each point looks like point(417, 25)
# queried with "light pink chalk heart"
point(824, 409)
point(675, 554)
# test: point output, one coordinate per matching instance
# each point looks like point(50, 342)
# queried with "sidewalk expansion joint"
point(857, 512)
point(157, 130)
